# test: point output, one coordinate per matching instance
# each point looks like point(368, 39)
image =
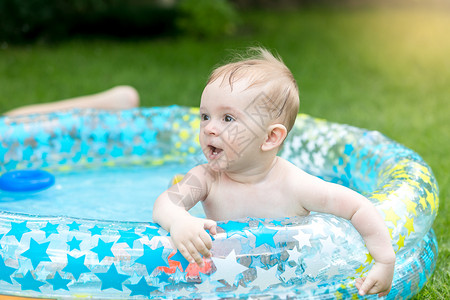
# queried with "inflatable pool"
point(88, 253)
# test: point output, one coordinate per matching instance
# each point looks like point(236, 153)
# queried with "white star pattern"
point(24, 266)
point(296, 142)
point(265, 278)
point(314, 266)
point(294, 254)
point(304, 158)
point(310, 146)
point(328, 246)
point(183, 292)
point(318, 159)
point(339, 233)
point(241, 290)
point(303, 239)
point(42, 274)
point(318, 227)
point(227, 268)
point(134, 278)
point(332, 271)
point(289, 273)
point(206, 286)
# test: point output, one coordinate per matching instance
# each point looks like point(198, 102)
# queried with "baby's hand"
point(379, 280)
point(191, 239)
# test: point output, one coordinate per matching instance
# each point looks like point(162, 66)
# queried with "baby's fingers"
point(206, 243)
point(359, 282)
point(211, 226)
point(190, 252)
point(186, 254)
point(203, 244)
point(366, 286)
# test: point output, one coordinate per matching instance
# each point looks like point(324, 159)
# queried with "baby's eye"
point(204, 117)
point(228, 118)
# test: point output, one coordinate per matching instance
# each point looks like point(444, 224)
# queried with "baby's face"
point(233, 125)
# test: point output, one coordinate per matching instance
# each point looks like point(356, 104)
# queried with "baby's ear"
point(276, 134)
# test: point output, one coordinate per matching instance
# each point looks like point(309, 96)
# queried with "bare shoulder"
point(201, 176)
point(291, 170)
point(194, 187)
point(202, 171)
point(298, 179)
point(296, 186)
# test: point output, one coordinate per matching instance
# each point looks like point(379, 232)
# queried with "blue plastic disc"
point(26, 180)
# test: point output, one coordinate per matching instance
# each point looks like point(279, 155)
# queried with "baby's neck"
point(255, 175)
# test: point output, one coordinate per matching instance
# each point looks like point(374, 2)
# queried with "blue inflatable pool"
point(68, 255)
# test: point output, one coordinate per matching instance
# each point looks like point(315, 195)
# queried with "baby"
point(247, 109)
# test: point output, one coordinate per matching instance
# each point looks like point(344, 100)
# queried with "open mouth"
point(214, 152)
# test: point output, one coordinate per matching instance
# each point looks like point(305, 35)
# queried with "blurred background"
point(382, 65)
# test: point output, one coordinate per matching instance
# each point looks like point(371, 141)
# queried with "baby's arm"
point(171, 212)
point(343, 202)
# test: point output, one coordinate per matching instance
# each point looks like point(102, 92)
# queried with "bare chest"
point(228, 201)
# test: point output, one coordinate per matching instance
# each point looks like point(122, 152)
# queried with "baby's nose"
point(211, 128)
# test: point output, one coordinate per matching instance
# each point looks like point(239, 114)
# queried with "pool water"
point(109, 193)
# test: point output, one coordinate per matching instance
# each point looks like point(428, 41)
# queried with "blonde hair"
point(263, 68)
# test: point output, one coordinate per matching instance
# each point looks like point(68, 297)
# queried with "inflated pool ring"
point(26, 180)
point(317, 256)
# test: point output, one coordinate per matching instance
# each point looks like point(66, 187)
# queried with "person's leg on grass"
point(119, 97)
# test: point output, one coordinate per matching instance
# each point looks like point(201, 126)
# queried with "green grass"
point(382, 69)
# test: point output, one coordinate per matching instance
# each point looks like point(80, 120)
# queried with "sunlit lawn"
point(383, 69)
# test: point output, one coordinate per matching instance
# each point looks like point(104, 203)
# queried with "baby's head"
point(277, 90)
point(247, 109)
